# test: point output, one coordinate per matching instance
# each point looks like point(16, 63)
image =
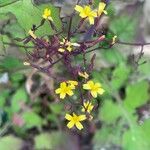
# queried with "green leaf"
point(56, 108)
point(10, 63)
point(15, 30)
point(17, 98)
point(124, 27)
point(27, 14)
point(3, 96)
point(120, 76)
point(108, 135)
point(109, 111)
point(139, 139)
point(112, 56)
point(7, 2)
point(10, 142)
point(16, 77)
point(48, 140)
point(43, 141)
point(32, 119)
point(136, 95)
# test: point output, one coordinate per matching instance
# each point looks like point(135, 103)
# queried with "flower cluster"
point(66, 45)
point(66, 89)
point(87, 12)
point(80, 91)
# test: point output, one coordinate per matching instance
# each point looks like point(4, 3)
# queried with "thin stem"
point(9, 3)
point(132, 44)
point(17, 45)
point(69, 30)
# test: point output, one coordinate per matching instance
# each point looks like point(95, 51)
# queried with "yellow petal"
point(44, 16)
point(70, 124)
point(94, 94)
point(74, 115)
point(86, 86)
point(62, 95)
point(78, 8)
point(101, 91)
point(91, 20)
point(82, 117)
point(68, 117)
point(79, 125)
point(70, 92)
point(63, 85)
point(57, 91)
point(69, 48)
point(93, 14)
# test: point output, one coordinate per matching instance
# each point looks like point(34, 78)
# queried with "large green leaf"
point(51, 140)
point(124, 27)
point(136, 95)
point(16, 100)
point(28, 14)
point(10, 143)
point(120, 76)
point(111, 115)
point(3, 96)
point(139, 139)
point(10, 63)
point(32, 119)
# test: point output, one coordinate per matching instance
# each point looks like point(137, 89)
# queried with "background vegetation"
point(31, 119)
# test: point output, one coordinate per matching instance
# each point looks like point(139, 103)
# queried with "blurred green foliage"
point(124, 91)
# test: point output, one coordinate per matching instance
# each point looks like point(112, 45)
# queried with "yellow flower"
point(101, 8)
point(68, 45)
point(83, 74)
point(47, 14)
point(86, 12)
point(87, 107)
point(94, 88)
point(114, 40)
point(64, 90)
point(72, 84)
point(75, 120)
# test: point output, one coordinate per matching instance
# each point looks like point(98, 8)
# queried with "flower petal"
point(94, 94)
point(63, 85)
point(101, 91)
point(82, 117)
point(70, 124)
point(86, 86)
point(57, 91)
point(70, 92)
point(79, 125)
point(91, 20)
point(62, 95)
point(78, 8)
point(68, 117)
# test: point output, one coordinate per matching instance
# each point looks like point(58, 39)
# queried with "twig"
point(132, 44)
point(17, 45)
